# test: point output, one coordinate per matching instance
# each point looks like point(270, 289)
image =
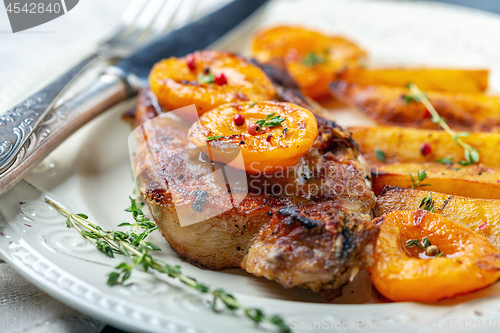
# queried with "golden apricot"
point(312, 58)
point(468, 262)
point(208, 79)
point(272, 149)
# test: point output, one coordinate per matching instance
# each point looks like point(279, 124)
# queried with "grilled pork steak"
point(315, 232)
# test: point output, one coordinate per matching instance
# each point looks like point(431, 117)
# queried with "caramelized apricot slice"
point(195, 79)
point(312, 58)
point(468, 262)
point(271, 150)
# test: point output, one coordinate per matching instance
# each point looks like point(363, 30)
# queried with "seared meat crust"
point(304, 237)
point(318, 247)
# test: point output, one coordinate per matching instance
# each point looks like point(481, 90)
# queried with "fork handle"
point(59, 124)
point(18, 125)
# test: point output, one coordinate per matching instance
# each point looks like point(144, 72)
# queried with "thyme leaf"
point(380, 155)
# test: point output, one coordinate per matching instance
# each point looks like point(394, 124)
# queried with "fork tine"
point(144, 21)
point(129, 16)
point(165, 17)
point(185, 14)
point(132, 12)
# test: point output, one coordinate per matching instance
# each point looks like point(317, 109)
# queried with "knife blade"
point(115, 85)
point(195, 36)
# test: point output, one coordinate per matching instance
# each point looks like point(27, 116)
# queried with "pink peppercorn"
point(253, 129)
point(191, 61)
point(220, 79)
point(239, 119)
point(425, 149)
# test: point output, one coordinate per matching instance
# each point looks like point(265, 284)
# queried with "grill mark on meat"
point(294, 216)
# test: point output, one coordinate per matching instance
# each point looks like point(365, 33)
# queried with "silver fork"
point(24, 127)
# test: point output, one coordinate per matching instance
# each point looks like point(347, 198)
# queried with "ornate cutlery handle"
point(37, 135)
point(17, 125)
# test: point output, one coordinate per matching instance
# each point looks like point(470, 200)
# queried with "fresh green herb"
point(312, 59)
point(420, 178)
point(380, 155)
point(427, 204)
point(270, 121)
point(425, 244)
point(206, 78)
point(471, 154)
point(448, 160)
point(284, 131)
point(414, 242)
point(363, 63)
point(251, 105)
point(133, 245)
point(422, 245)
point(210, 138)
point(408, 98)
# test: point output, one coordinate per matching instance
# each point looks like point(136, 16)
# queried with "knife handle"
point(58, 124)
point(18, 125)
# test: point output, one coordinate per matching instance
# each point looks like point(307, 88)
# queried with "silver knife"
point(33, 128)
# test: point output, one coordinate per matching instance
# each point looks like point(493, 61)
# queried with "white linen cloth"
point(25, 308)
point(28, 61)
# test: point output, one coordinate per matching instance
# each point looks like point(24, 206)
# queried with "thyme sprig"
point(210, 138)
point(420, 178)
point(425, 245)
point(206, 78)
point(448, 160)
point(133, 245)
point(427, 204)
point(311, 59)
point(270, 121)
point(471, 154)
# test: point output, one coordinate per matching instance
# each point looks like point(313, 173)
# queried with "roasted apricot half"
point(271, 136)
point(312, 58)
point(208, 79)
point(461, 261)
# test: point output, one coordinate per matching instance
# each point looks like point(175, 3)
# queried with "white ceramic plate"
point(91, 173)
